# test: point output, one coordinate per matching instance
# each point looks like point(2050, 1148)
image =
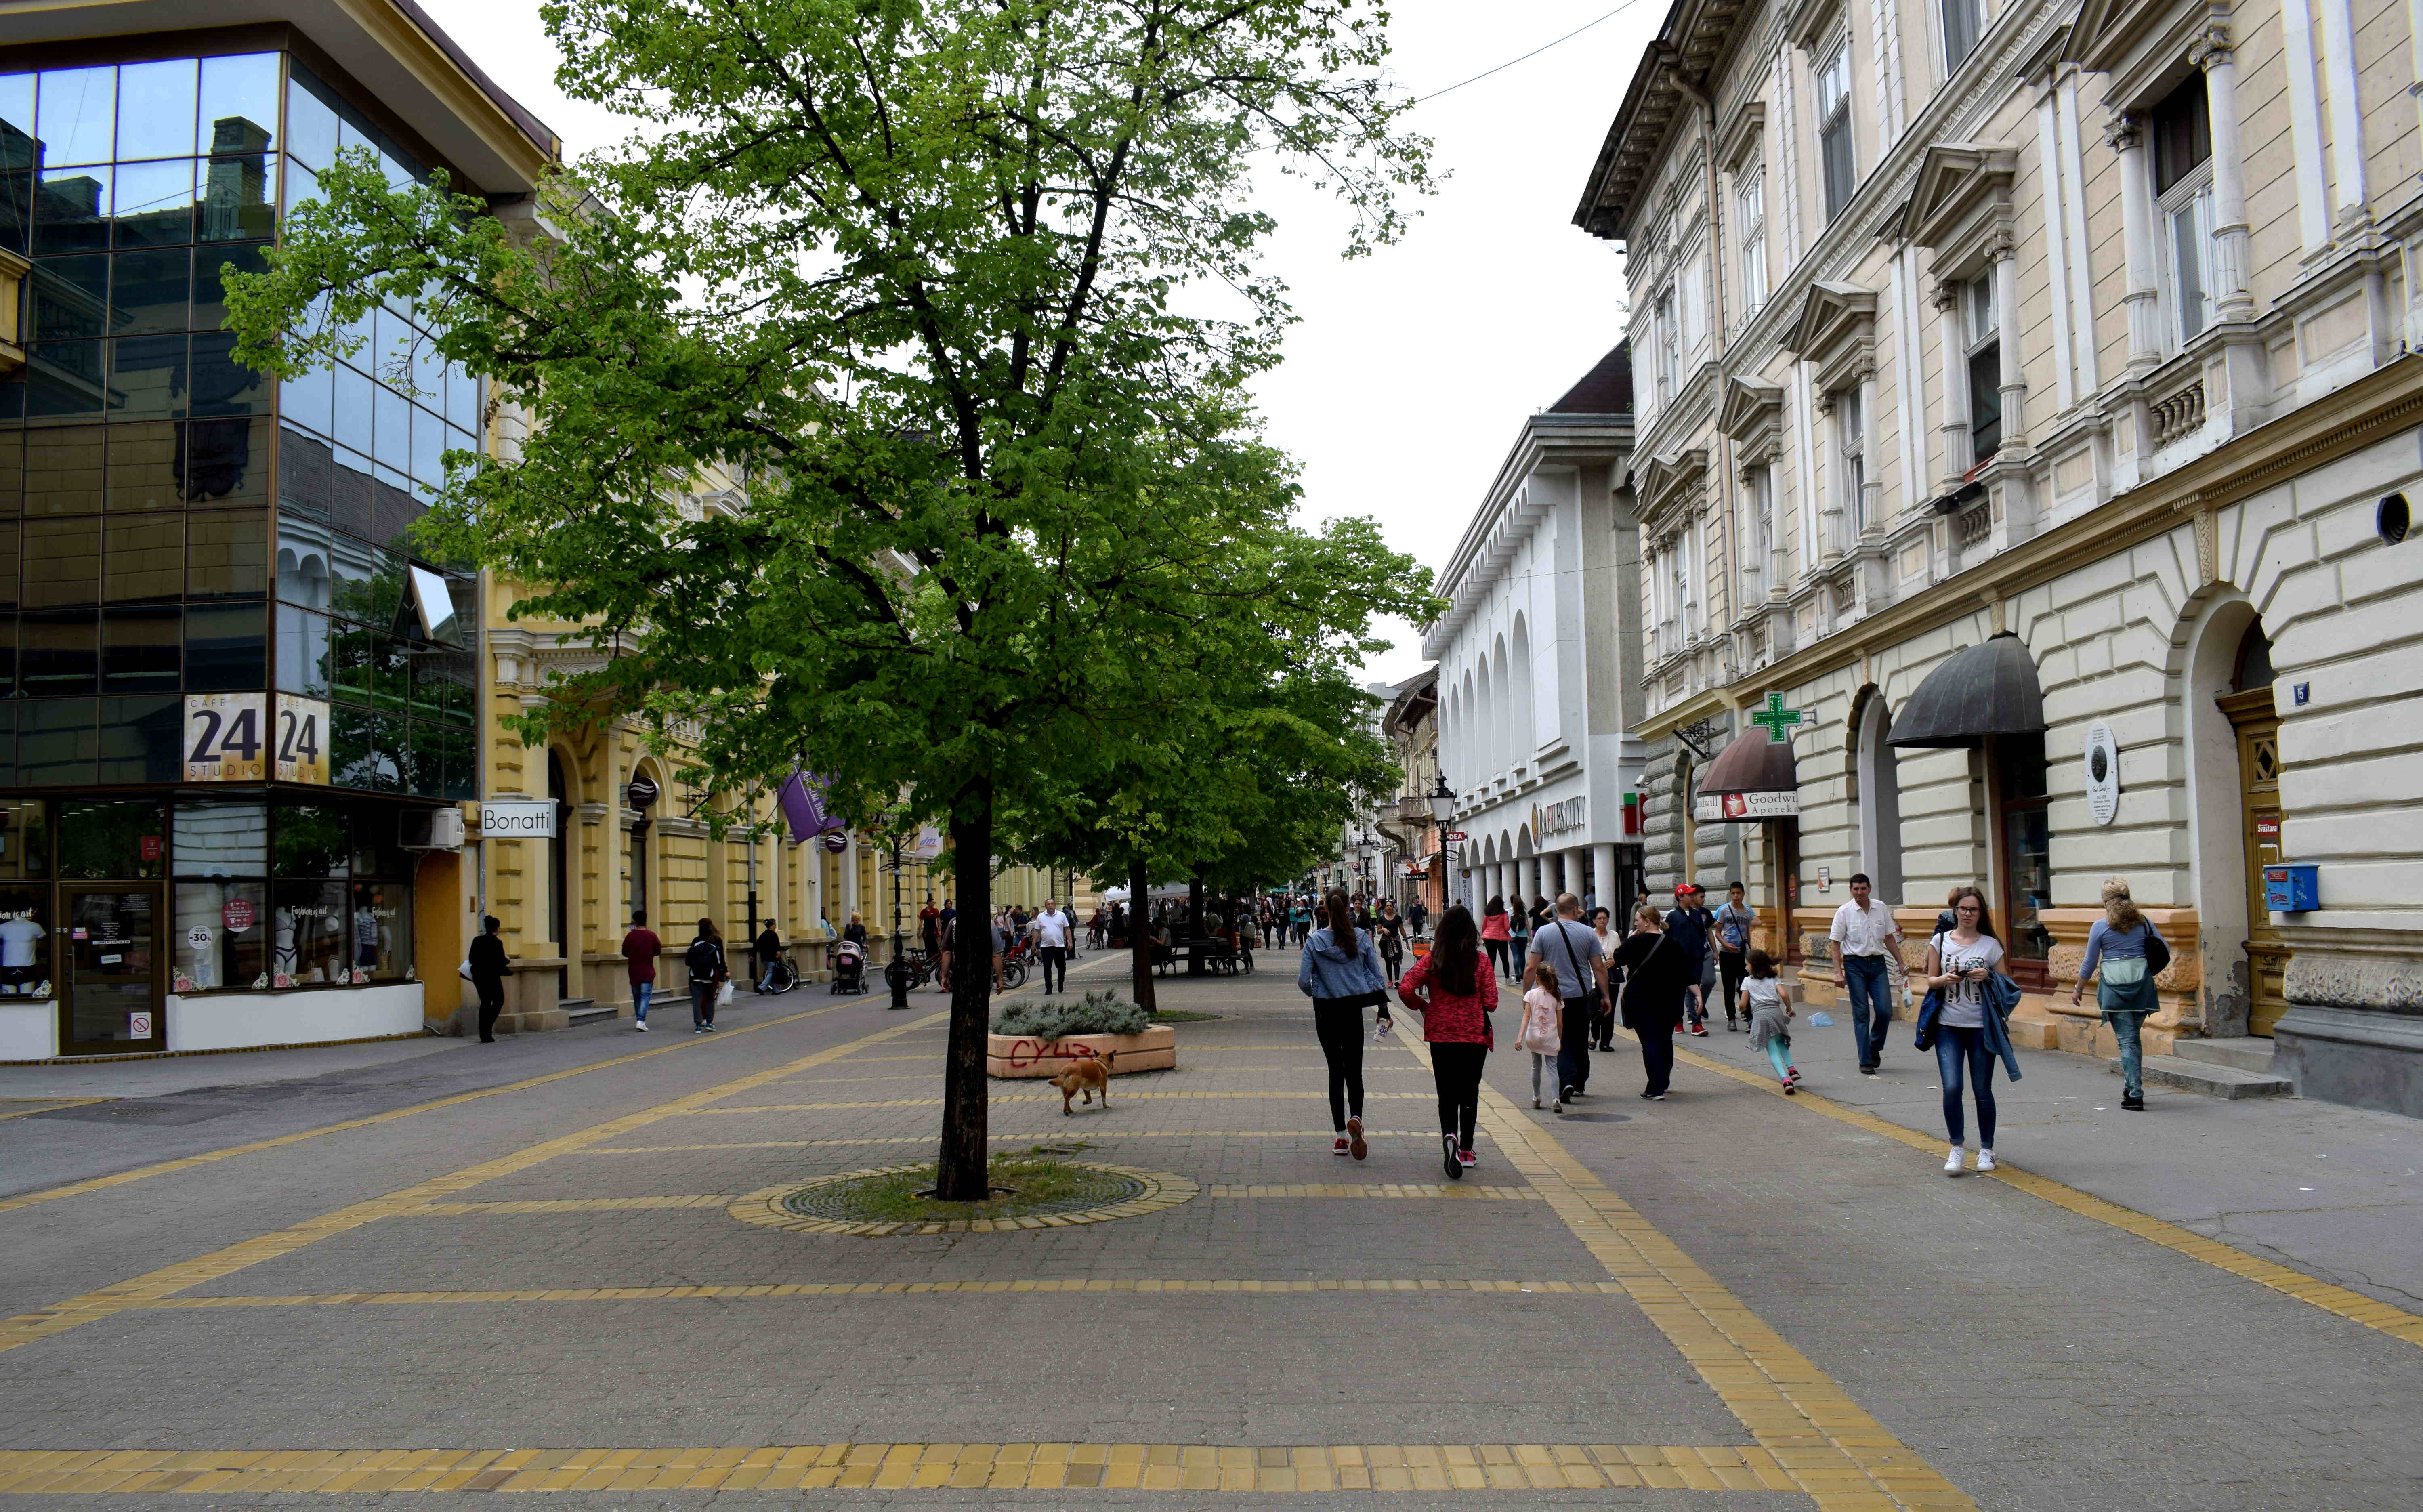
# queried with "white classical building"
point(1540, 662)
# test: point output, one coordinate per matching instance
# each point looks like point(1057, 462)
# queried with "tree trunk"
point(964, 1177)
point(1139, 937)
point(1195, 920)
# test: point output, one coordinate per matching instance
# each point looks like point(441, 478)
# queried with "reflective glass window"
point(302, 185)
point(239, 110)
point(59, 653)
point(151, 291)
point(67, 557)
point(67, 299)
point(308, 401)
point(462, 398)
point(364, 749)
point(428, 446)
point(308, 840)
point(236, 205)
point(16, 204)
point(108, 839)
point(222, 935)
point(353, 408)
point(143, 557)
point(11, 544)
point(147, 376)
point(221, 385)
point(24, 842)
point(226, 648)
point(227, 553)
point(310, 121)
point(71, 210)
point(221, 840)
point(73, 114)
point(17, 105)
point(155, 109)
point(146, 466)
point(303, 652)
point(12, 475)
point(212, 265)
point(59, 744)
point(63, 380)
point(392, 435)
point(155, 203)
point(308, 933)
point(139, 650)
point(382, 928)
point(304, 465)
point(349, 492)
point(63, 470)
point(139, 739)
point(227, 461)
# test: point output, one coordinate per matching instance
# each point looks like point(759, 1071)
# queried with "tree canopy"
point(938, 281)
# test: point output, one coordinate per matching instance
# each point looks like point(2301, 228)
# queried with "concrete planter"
point(1019, 1056)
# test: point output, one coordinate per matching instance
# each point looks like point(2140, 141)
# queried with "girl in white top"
point(1959, 961)
point(1544, 1007)
point(1602, 924)
point(1767, 1004)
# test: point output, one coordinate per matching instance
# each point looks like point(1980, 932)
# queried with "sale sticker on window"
point(226, 738)
point(302, 740)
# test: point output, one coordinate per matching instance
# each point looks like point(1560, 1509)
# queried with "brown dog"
point(1086, 1077)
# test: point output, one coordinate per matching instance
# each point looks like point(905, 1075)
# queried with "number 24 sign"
point(235, 738)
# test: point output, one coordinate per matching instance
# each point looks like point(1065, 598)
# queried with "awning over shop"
point(1751, 779)
point(1985, 691)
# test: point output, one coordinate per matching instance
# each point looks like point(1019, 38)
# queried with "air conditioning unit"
point(430, 829)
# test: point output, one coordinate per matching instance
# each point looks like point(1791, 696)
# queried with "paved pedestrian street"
point(584, 1288)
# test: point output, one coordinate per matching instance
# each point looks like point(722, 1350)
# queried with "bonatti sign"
point(518, 819)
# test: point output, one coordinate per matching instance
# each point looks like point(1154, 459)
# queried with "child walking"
point(1543, 1006)
point(1767, 1004)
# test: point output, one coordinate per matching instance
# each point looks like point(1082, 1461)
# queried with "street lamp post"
point(1443, 809)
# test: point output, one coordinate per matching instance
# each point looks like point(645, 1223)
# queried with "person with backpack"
point(1570, 948)
point(1455, 991)
point(641, 949)
point(1341, 972)
point(2132, 954)
point(707, 975)
point(1734, 920)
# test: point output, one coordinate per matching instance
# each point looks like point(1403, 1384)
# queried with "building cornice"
point(1548, 440)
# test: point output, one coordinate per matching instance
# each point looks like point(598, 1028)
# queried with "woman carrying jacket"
point(1494, 926)
point(2125, 992)
point(1342, 973)
point(1455, 991)
point(1965, 1029)
point(1658, 977)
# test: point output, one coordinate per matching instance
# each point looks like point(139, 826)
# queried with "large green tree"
point(966, 291)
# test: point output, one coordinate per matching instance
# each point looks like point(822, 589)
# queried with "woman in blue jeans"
point(1959, 961)
point(2126, 991)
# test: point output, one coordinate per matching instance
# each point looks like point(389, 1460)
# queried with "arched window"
point(1525, 729)
point(1876, 770)
point(1502, 715)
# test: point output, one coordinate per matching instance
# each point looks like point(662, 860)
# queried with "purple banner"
point(801, 801)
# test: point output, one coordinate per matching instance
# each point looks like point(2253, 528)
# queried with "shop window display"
point(308, 926)
point(24, 899)
point(221, 936)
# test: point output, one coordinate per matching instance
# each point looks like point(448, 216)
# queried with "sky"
point(1409, 373)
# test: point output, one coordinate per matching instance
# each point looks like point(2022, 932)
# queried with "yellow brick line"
point(2339, 1301)
point(256, 1146)
point(904, 1466)
point(1499, 1194)
point(1833, 1449)
point(1122, 1094)
point(881, 1288)
point(166, 1281)
point(10, 1107)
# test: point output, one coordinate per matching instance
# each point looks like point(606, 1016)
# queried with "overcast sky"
point(1409, 372)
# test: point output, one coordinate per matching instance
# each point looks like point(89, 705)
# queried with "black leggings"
point(1457, 1068)
point(1340, 1027)
point(1498, 956)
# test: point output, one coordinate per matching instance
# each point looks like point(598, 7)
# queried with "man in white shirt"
point(1052, 929)
point(1864, 932)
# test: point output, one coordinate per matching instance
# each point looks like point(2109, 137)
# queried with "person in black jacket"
point(489, 966)
point(708, 972)
point(1658, 977)
point(769, 950)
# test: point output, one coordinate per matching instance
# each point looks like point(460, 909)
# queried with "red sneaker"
point(1341, 1147)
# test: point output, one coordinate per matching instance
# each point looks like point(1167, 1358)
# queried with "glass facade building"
point(228, 670)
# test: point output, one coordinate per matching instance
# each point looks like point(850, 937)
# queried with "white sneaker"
point(642, 1026)
point(1951, 1161)
point(1985, 1160)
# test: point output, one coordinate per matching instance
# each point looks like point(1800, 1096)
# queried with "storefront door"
point(111, 1004)
point(2258, 727)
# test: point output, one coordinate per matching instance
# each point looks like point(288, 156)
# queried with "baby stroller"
point(847, 959)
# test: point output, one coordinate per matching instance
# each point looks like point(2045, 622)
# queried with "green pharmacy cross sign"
point(1778, 720)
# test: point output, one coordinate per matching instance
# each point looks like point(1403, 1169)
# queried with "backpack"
point(702, 958)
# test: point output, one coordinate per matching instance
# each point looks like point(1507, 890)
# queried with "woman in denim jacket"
point(1342, 975)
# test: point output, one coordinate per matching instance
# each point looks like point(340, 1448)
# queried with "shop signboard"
point(518, 819)
point(225, 739)
point(1734, 807)
point(836, 842)
point(302, 736)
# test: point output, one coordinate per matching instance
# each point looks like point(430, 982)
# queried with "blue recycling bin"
point(2291, 889)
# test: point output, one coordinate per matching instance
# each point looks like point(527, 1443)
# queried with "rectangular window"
point(2182, 132)
point(1835, 158)
point(1982, 326)
point(1750, 214)
point(1964, 22)
point(1852, 438)
point(1669, 353)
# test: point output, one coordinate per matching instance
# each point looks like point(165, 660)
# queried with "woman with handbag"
point(1657, 976)
point(1455, 991)
point(2132, 954)
point(707, 975)
point(1959, 963)
point(1341, 972)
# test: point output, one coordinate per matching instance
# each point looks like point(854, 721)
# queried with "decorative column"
point(2233, 298)
point(1871, 452)
point(1957, 441)
point(2137, 223)
point(2005, 253)
point(1603, 883)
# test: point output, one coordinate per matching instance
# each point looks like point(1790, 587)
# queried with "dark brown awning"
point(1751, 779)
point(1987, 690)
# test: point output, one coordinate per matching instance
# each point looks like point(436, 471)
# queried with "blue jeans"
point(1871, 992)
point(2126, 1027)
point(1956, 1051)
point(640, 991)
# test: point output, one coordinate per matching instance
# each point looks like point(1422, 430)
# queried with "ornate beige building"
point(2019, 387)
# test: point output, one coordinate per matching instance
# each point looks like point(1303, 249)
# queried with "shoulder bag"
point(2158, 953)
point(1589, 983)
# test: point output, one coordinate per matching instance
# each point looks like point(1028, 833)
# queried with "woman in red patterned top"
point(1455, 991)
